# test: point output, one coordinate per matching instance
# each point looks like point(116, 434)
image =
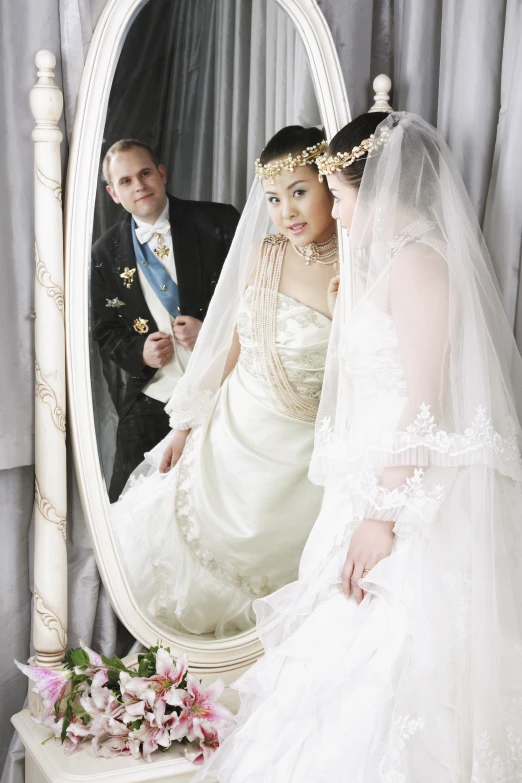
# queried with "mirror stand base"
point(49, 764)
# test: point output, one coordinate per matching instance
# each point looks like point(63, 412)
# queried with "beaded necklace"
point(264, 312)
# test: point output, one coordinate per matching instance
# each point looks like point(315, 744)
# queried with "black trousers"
point(140, 429)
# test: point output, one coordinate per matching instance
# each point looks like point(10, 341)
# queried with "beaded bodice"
point(301, 341)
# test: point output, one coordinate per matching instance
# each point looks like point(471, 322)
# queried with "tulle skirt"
point(421, 682)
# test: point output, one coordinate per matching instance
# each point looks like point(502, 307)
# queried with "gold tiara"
point(328, 164)
point(306, 157)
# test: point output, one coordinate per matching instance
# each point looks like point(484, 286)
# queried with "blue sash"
point(157, 276)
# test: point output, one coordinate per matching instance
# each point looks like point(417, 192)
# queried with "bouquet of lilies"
point(130, 711)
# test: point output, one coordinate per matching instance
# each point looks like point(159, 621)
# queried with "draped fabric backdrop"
point(455, 62)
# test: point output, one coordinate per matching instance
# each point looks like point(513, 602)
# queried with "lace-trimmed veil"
point(418, 256)
point(196, 392)
point(446, 468)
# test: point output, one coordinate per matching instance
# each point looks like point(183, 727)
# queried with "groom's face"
point(138, 184)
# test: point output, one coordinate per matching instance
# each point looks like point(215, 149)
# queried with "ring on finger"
point(366, 570)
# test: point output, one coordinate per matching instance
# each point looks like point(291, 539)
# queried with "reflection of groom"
point(153, 276)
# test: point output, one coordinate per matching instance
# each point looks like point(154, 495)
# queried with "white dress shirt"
point(161, 386)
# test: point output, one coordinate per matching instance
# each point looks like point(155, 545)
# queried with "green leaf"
point(80, 712)
point(77, 679)
point(114, 663)
point(76, 657)
point(114, 680)
point(135, 725)
point(119, 664)
point(147, 663)
point(66, 721)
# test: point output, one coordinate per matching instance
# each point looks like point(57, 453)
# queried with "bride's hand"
point(333, 289)
point(371, 542)
point(174, 450)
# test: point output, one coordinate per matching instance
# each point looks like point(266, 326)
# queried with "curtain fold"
point(503, 218)
point(456, 63)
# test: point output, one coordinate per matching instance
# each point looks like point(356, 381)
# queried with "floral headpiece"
point(306, 157)
point(328, 164)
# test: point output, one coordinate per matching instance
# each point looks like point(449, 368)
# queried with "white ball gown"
point(229, 523)
point(379, 692)
point(422, 681)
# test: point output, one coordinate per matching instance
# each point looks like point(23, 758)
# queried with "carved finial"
point(46, 63)
point(382, 86)
point(46, 99)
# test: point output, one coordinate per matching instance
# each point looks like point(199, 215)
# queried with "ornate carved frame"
point(205, 656)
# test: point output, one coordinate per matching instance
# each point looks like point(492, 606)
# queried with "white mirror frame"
point(227, 655)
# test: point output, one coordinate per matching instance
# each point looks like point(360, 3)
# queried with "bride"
point(218, 514)
point(397, 655)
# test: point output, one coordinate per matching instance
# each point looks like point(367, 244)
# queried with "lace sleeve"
point(419, 303)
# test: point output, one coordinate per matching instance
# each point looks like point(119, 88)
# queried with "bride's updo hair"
point(291, 141)
point(351, 136)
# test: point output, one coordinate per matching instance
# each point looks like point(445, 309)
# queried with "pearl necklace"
point(264, 318)
point(318, 252)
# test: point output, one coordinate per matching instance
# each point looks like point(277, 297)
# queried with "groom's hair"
point(124, 145)
point(291, 141)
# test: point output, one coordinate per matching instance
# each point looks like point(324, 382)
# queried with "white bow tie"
point(145, 232)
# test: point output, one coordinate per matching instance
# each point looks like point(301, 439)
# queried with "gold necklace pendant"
point(319, 252)
point(162, 249)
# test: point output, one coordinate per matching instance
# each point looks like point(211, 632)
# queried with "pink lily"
point(117, 742)
point(135, 689)
point(163, 685)
point(208, 743)
point(51, 684)
point(76, 732)
point(155, 730)
point(103, 707)
point(97, 671)
point(200, 706)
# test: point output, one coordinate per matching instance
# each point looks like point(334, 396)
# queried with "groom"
point(153, 276)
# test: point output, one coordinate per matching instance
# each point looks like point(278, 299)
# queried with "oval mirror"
point(178, 99)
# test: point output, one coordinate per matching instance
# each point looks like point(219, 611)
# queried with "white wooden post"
point(50, 557)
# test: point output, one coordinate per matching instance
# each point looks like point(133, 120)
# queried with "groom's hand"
point(186, 330)
point(158, 350)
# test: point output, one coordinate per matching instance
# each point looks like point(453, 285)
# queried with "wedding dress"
point(422, 681)
point(228, 524)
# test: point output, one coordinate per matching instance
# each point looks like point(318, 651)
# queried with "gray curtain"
point(205, 83)
point(456, 62)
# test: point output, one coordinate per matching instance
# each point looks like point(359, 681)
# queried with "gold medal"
point(128, 276)
point(141, 325)
point(162, 249)
point(115, 303)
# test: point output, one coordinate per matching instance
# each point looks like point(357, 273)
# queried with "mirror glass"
point(202, 85)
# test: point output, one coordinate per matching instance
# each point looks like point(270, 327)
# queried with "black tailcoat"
point(201, 235)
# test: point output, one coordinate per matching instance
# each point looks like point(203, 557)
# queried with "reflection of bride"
point(228, 522)
point(417, 677)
